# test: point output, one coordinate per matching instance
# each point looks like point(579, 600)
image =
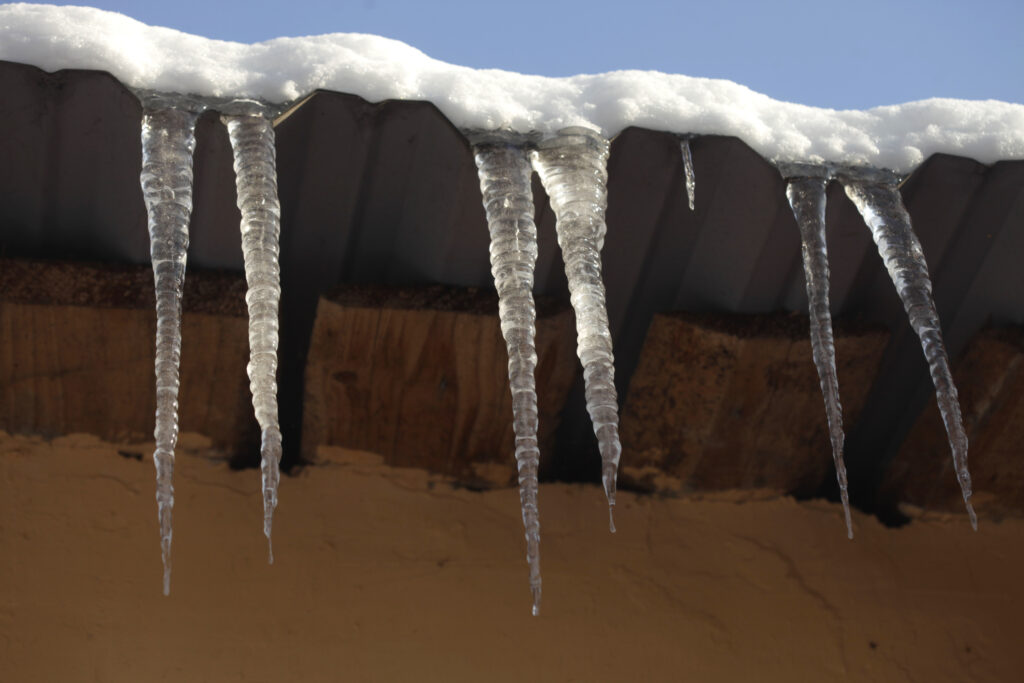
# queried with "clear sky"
point(846, 55)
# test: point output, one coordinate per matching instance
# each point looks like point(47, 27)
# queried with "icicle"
point(252, 140)
point(572, 167)
point(691, 177)
point(879, 202)
point(807, 197)
point(505, 175)
point(168, 140)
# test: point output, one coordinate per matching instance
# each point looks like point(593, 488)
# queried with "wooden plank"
point(990, 381)
point(420, 377)
point(77, 347)
point(722, 402)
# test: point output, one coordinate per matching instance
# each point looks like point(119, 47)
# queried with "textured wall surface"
point(386, 574)
point(388, 194)
point(389, 573)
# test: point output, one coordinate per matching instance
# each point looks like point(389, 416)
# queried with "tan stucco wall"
point(393, 575)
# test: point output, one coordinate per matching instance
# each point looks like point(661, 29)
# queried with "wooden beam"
point(990, 380)
point(420, 377)
point(732, 401)
point(77, 347)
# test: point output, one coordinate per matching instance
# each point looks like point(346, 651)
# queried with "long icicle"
point(252, 140)
point(881, 206)
point(505, 175)
point(807, 198)
point(573, 168)
point(168, 140)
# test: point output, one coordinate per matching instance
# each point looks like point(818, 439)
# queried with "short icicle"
point(168, 140)
point(573, 169)
point(877, 197)
point(691, 176)
point(252, 140)
point(505, 175)
point(806, 194)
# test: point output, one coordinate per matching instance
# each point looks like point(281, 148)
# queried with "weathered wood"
point(420, 376)
point(990, 381)
point(722, 402)
point(77, 347)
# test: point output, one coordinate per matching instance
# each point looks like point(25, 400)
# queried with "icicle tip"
point(847, 515)
point(608, 479)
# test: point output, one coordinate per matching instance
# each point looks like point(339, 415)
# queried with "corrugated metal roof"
point(388, 194)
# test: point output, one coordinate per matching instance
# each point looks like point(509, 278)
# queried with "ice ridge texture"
point(168, 141)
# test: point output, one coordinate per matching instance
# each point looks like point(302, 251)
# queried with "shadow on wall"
point(387, 194)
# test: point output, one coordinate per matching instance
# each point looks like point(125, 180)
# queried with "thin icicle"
point(691, 177)
point(572, 167)
point(168, 140)
point(252, 140)
point(807, 197)
point(505, 175)
point(881, 206)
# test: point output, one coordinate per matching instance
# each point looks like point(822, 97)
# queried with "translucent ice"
point(252, 140)
point(168, 140)
point(505, 175)
point(807, 197)
point(573, 168)
point(879, 202)
point(691, 178)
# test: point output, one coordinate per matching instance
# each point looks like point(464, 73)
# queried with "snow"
point(282, 70)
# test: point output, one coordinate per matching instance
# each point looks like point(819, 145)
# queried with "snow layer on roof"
point(898, 137)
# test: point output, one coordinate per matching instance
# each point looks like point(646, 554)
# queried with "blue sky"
point(829, 54)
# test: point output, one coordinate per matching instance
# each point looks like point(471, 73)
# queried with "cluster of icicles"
point(572, 166)
point(168, 140)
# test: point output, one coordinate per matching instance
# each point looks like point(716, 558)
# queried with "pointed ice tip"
point(167, 581)
point(611, 518)
point(535, 610)
point(972, 515)
point(849, 520)
point(608, 480)
point(270, 541)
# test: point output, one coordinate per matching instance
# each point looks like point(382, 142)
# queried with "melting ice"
point(877, 197)
point(505, 175)
point(806, 194)
point(572, 165)
point(252, 141)
point(168, 140)
point(691, 177)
